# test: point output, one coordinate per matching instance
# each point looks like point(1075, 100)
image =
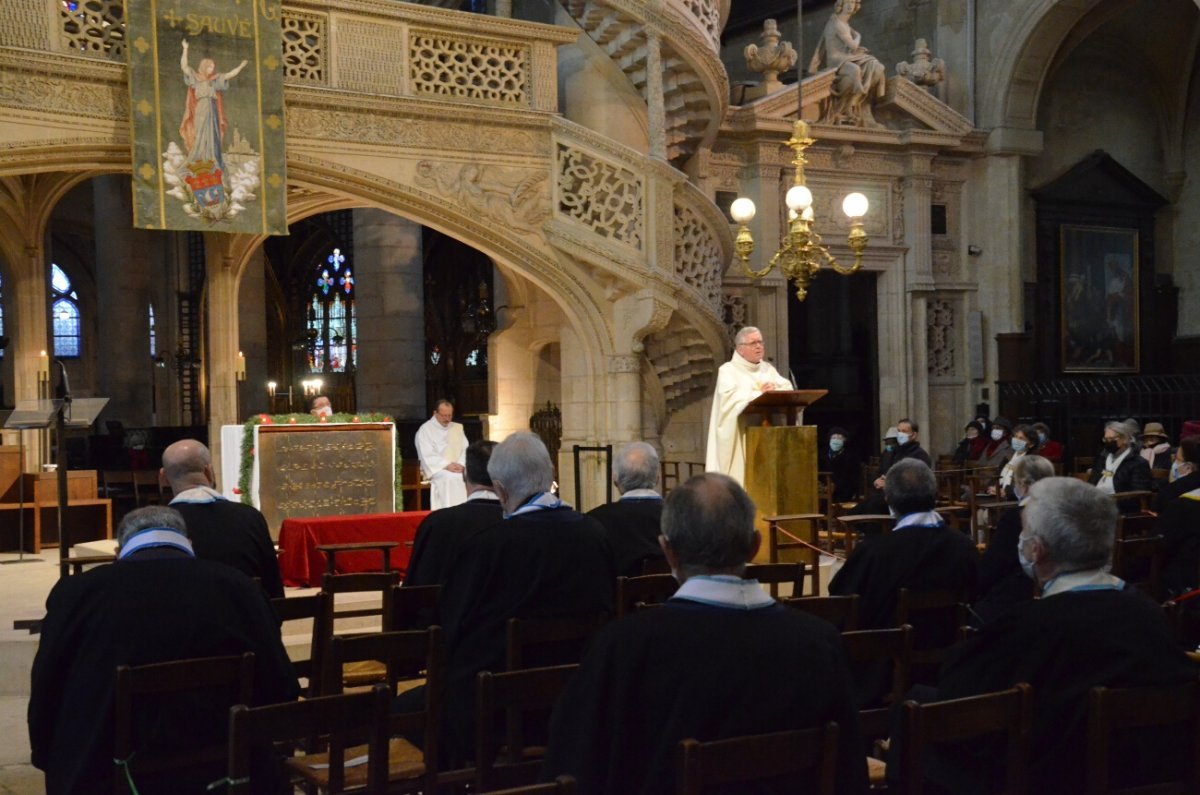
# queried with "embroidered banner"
point(206, 89)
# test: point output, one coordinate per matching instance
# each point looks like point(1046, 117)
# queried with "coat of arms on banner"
point(207, 95)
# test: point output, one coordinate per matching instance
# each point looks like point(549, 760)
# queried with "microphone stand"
point(60, 423)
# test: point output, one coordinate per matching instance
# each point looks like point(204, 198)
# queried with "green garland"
point(300, 419)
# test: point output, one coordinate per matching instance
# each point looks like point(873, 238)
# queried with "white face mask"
point(997, 434)
point(836, 444)
point(903, 438)
point(1018, 444)
point(1026, 563)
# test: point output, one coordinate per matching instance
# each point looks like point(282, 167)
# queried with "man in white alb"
point(739, 381)
point(442, 448)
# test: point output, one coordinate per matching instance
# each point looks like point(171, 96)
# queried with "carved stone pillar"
point(919, 283)
point(225, 254)
point(624, 382)
point(390, 372)
point(654, 97)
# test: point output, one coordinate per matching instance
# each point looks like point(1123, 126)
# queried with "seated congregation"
point(1011, 645)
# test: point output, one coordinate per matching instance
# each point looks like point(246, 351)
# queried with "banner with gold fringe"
point(206, 97)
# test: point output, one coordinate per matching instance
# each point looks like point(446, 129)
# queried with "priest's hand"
point(767, 387)
point(454, 467)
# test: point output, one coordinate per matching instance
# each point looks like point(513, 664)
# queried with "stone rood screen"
point(325, 470)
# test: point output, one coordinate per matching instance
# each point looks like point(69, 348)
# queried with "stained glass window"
point(1, 316)
point(332, 325)
point(64, 314)
point(153, 335)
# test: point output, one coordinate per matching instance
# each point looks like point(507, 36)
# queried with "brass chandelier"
point(801, 253)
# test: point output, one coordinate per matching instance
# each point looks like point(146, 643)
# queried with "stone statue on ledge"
point(860, 77)
point(925, 70)
point(771, 57)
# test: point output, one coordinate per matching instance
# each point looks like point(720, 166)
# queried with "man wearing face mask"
point(1085, 631)
point(842, 466)
point(907, 447)
point(1002, 583)
point(1120, 469)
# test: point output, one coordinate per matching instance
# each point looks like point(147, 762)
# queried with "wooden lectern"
point(781, 460)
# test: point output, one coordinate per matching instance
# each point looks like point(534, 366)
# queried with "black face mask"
point(1111, 447)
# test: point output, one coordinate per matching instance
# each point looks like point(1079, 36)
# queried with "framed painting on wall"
point(1099, 299)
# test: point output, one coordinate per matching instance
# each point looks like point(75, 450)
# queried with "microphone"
point(63, 390)
point(792, 376)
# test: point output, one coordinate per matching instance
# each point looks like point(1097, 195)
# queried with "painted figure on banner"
point(200, 171)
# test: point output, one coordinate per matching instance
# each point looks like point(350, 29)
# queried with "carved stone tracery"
point(698, 256)
point(601, 195)
point(95, 27)
point(304, 47)
point(941, 334)
point(469, 69)
point(512, 197)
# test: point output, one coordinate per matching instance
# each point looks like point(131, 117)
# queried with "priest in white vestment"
point(442, 449)
point(739, 381)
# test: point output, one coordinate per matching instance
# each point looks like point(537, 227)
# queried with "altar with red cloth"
point(302, 565)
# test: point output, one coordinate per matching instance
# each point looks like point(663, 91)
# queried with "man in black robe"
point(1086, 631)
point(921, 553)
point(632, 523)
point(543, 560)
point(220, 530)
point(156, 603)
point(443, 532)
point(720, 659)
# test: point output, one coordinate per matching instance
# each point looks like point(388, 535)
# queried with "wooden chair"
point(1161, 476)
point(77, 565)
point(148, 489)
point(414, 492)
point(669, 476)
point(304, 608)
point(1081, 464)
point(1175, 709)
point(1009, 712)
point(806, 548)
point(881, 645)
point(649, 588)
point(935, 617)
point(776, 574)
point(841, 611)
point(1138, 562)
point(563, 785)
point(802, 755)
point(140, 687)
point(341, 720)
point(535, 642)
point(365, 585)
point(411, 607)
point(992, 511)
point(331, 551)
point(1143, 499)
point(517, 696)
point(404, 655)
point(1136, 525)
point(864, 524)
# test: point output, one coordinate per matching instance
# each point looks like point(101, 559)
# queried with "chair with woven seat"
point(800, 755)
point(892, 646)
point(841, 611)
point(538, 642)
point(298, 609)
point(1136, 525)
point(143, 689)
point(646, 589)
point(341, 721)
point(935, 617)
point(851, 526)
point(371, 590)
point(1173, 711)
point(521, 701)
point(404, 656)
point(1009, 712)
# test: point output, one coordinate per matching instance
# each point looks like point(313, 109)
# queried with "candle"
point(43, 367)
point(271, 388)
point(240, 372)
